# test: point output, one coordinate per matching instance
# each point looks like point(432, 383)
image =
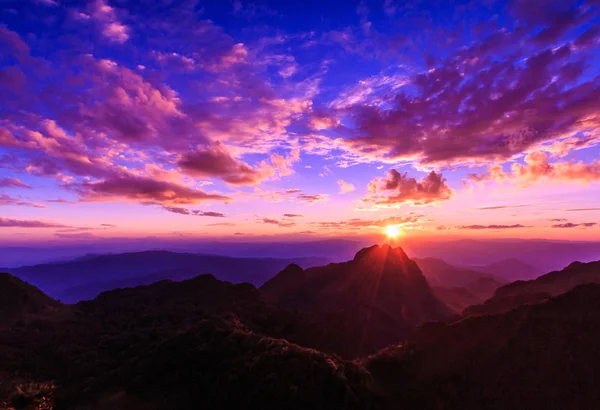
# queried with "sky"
point(239, 119)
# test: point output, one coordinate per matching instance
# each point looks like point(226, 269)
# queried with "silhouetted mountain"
point(381, 293)
point(21, 301)
point(204, 343)
point(510, 269)
point(441, 273)
point(97, 273)
point(201, 343)
point(542, 356)
point(552, 284)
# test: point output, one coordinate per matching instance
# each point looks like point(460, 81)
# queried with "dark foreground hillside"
point(201, 343)
point(204, 343)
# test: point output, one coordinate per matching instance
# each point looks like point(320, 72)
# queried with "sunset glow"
point(246, 120)
point(392, 231)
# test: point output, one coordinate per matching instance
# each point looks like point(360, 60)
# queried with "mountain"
point(552, 284)
point(200, 343)
point(96, 273)
point(544, 255)
point(541, 356)
point(381, 293)
point(457, 299)
point(205, 343)
point(510, 269)
point(21, 301)
point(441, 273)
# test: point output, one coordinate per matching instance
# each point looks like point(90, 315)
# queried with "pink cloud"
point(358, 223)
point(398, 188)
point(537, 166)
point(345, 187)
point(110, 26)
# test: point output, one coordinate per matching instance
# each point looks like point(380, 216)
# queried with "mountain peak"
point(383, 252)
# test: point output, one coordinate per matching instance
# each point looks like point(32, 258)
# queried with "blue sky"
point(127, 119)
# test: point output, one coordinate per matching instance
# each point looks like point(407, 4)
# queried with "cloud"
point(292, 216)
point(537, 166)
point(358, 223)
point(13, 182)
point(215, 161)
point(575, 225)
point(110, 26)
point(582, 209)
point(15, 223)
point(141, 189)
point(82, 235)
point(8, 200)
point(479, 227)
point(485, 101)
point(222, 224)
point(292, 194)
point(490, 208)
point(278, 223)
point(398, 189)
point(185, 211)
point(108, 225)
point(345, 187)
point(312, 198)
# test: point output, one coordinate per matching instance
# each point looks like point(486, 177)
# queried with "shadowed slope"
point(542, 356)
point(21, 301)
point(201, 343)
point(552, 284)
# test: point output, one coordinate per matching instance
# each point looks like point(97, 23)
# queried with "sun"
point(392, 231)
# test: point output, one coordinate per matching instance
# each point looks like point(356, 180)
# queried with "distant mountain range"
point(86, 277)
point(308, 338)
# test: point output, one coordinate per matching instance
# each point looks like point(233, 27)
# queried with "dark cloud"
point(582, 209)
point(15, 223)
point(12, 182)
point(277, 222)
point(573, 225)
point(489, 208)
point(398, 188)
point(292, 216)
point(479, 227)
point(185, 211)
point(82, 235)
point(215, 161)
point(8, 200)
point(142, 189)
